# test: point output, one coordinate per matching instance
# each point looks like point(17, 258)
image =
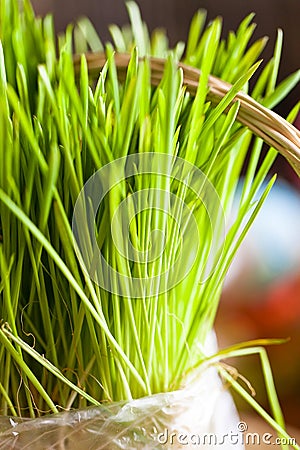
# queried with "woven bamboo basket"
point(264, 123)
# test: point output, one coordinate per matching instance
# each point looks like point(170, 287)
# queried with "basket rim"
point(262, 121)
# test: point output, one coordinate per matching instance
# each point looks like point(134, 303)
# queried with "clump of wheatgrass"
point(67, 341)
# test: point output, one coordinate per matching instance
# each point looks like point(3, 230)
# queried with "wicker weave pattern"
point(263, 122)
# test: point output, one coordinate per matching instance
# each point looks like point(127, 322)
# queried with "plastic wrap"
point(200, 415)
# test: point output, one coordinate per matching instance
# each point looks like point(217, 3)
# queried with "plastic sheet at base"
point(200, 415)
